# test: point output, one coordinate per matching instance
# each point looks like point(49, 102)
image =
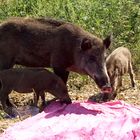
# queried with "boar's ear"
point(107, 41)
point(86, 44)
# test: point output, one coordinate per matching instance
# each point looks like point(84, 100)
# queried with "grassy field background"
point(100, 17)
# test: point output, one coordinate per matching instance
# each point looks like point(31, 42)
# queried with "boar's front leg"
point(62, 73)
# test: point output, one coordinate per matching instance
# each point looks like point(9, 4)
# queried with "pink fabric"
point(80, 121)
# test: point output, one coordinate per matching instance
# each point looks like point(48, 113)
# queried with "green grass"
point(100, 17)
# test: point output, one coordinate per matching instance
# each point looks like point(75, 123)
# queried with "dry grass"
point(79, 89)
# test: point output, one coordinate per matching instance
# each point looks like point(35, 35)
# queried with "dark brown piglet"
point(26, 80)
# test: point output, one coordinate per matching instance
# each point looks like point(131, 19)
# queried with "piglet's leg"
point(131, 73)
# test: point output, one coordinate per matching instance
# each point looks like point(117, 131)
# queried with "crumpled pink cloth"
point(115, 120)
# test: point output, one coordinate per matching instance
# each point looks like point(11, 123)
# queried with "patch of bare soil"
point(80, 88)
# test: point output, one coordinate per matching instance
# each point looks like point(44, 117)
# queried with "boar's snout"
point(106, 89)
point(104, 84)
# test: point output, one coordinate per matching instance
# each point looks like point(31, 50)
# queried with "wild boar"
point(26, 80)
point(118, 63)
point(60, 45)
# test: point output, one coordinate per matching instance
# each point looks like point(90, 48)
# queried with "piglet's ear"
point(107, 41)
point(86, 44)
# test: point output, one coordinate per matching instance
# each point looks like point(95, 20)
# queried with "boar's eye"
point(92, 58)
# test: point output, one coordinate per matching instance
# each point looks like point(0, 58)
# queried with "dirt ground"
point(80, 88)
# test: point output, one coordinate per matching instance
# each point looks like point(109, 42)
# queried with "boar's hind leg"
point(5, 100)
point(63, 74)
point(131, 73)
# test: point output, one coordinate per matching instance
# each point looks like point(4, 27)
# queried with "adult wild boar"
point(118, 63)
point(26, 80)
point(60, 45)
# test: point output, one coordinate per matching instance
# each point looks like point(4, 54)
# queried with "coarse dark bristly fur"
point(63, 46)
